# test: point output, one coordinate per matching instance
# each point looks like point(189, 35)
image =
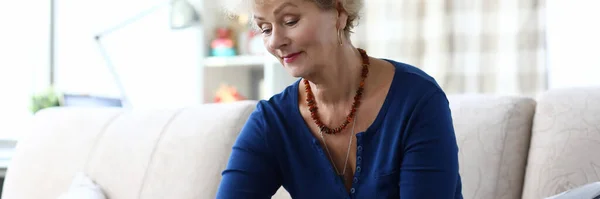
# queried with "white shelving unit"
point(255, 76)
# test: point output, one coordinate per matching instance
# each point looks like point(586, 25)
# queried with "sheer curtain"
point(469, 46)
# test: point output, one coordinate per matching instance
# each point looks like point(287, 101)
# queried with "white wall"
point(158, 66)
point(574, 43)
point(24, 61)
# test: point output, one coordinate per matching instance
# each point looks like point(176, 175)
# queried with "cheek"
point(311, 34)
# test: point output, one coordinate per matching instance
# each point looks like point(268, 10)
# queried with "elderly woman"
point(353, 126)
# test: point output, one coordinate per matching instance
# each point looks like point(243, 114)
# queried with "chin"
point(296, 71)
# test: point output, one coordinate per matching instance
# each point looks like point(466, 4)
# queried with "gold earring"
point(340, 37)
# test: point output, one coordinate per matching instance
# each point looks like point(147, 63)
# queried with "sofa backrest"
point(181, 153)
point(493, 138)
point(130, 154)
point(565, 142)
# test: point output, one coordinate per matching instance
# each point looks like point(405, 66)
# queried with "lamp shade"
point(183, 14)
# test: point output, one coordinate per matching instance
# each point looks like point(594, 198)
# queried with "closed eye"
point(265, 31)
point(291, 23)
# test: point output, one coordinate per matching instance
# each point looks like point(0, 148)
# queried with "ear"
point(342, 16)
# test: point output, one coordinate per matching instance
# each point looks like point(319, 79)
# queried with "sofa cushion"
point(565, 143)
point(47, 159)
point(493, 138)
point(175, 153)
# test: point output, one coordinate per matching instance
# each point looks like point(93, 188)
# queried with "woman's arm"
point(430, 165)
point(251, 171)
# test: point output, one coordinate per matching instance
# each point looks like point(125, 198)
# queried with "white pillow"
point(83, 187)
point(588, 191)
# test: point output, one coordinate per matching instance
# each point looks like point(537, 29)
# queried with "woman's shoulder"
point(413, 74)
point(412, 82)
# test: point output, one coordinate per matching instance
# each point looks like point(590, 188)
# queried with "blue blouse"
point(409, 151)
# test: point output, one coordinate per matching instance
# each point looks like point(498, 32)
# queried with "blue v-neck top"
point(409, 152)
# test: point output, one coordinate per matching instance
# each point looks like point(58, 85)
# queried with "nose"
point(278, 39)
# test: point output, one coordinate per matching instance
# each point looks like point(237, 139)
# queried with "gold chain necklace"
point(343, 174)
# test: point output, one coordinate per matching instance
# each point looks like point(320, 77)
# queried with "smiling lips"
point(291, 57)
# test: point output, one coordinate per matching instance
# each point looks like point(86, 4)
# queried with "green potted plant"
point(46, 99)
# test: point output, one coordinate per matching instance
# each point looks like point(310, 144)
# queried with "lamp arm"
point(98, 37)
point(117, 79)
point(182, 4)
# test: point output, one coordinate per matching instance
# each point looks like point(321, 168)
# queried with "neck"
point(338, 82)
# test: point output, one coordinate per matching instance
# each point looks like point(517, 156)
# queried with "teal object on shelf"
point(223, 52)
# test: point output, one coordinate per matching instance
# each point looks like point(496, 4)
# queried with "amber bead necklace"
point(312, 105)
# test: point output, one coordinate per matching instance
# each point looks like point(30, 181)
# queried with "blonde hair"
point(235, 8)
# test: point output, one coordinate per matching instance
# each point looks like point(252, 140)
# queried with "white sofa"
point(510, 147)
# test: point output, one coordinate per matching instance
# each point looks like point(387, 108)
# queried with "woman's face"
point(300, 34)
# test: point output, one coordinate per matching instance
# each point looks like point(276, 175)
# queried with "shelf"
point(243, 60)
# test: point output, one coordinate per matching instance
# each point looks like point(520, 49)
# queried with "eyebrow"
point(278, 9)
